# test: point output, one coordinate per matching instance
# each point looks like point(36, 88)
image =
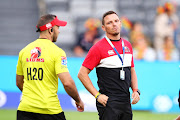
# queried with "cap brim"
point(61, 23)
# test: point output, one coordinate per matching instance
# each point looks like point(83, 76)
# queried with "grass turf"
point(73, 115)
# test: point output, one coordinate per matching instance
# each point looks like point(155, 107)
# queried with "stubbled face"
point(112, 25)
point(55, 33)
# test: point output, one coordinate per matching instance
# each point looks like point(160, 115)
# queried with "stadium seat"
point(102, 6)
point(80, 8)
point(18, 25)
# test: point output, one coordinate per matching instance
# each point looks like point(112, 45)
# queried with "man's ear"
point(49, 31)
point(52, 29)
point(103, 28)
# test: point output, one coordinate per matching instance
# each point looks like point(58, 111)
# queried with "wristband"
point(97, 95)
point(137, 90)
point(134, 90)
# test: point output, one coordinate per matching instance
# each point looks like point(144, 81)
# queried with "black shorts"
point(22, 115)
point(114, 111)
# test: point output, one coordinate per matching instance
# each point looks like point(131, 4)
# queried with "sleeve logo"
point(63, 60)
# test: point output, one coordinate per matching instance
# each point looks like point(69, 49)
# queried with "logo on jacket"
point(127, 49)
point(35, 54)
point(111, 52)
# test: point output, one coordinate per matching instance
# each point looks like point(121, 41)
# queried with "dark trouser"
point(114, 111)
point(22, 115)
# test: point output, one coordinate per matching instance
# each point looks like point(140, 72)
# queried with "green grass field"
point(73, 115)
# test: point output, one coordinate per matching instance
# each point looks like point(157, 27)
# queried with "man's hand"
point(135, 97)
point(102, 99)
point(80, 106)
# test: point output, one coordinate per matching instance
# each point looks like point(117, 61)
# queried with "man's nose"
point(114, 23)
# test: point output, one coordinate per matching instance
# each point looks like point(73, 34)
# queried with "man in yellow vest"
point(40, 64)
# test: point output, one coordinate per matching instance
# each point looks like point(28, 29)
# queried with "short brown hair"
point(107, 13)
point(45, 19)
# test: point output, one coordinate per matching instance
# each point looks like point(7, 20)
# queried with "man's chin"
point(115, 34)
point(54, 40)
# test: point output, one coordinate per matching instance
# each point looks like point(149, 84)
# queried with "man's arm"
point(83, 76)
point(134, 86)
point(71, 89)
point(19, 81)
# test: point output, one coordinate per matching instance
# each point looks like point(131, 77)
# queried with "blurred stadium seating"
point(18, 23)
